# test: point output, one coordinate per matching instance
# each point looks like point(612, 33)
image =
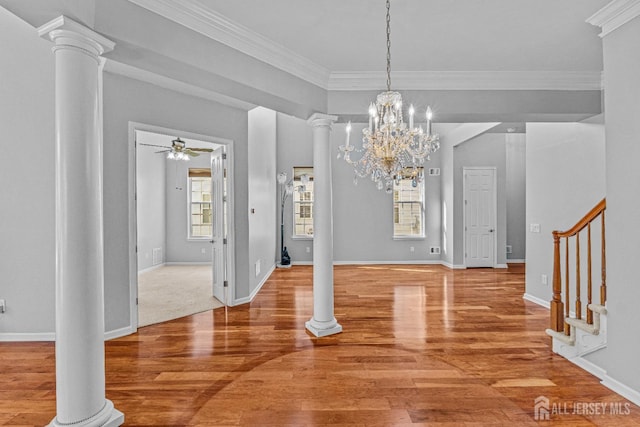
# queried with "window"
point(302, 202)
point(408, 208)
point(200, 212)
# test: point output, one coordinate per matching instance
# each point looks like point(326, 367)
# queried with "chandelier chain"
point(388, 46)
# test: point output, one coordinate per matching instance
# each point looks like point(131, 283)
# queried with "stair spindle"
point(603, 286)
point(589, 281)
point(578, 297)
point(567, 299)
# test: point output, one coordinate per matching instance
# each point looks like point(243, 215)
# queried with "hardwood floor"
point(422, 345)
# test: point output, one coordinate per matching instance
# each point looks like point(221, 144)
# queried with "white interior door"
point(480, 217)
point(217, 232)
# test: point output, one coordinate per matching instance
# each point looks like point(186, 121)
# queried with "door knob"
point(491, 230)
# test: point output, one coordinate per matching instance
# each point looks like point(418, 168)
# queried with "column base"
point(107, 417)
point(322, 329)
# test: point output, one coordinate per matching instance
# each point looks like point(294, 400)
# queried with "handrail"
point(580, 225)
point(560, 309)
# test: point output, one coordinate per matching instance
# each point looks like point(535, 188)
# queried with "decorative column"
point(323, 322)
point(80, 379)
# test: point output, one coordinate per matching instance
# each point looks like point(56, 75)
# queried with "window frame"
point(199, 173)
point(396, 209)
point(306, 201)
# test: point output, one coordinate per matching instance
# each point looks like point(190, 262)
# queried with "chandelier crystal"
point(391, 149)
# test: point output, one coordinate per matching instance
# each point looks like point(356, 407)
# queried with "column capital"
point(319, 120)
point(64, 31)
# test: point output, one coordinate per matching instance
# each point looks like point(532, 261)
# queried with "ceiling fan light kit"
point(179, 150)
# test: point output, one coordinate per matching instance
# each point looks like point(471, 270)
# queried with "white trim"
point(468, 80)
point(174, 85)
point(536, 300)
point(392, 262)
point(218, 27)
point(253, 294)
point(501, 266)
point(153, 267)
point(453, 266)
point(622, 389)
point(120, 332)
point(51, 336)
point(614, 15)
point(302, 263)
point(27, 336)
point(588, 366)
point(212, 24)
point(516, 261)
point(188, 263)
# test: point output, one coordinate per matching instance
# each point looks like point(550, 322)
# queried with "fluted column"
point(80, 378)
point(323, 321)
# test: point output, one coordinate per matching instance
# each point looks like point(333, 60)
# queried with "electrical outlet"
point(412, 249)
point(434, 250)
point(308, 249)
point(509, 249)
point(534, 228)
point(257, 267)
point(203, 250)
point(544, 279)
point(3, 306)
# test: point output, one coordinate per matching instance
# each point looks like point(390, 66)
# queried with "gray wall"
point(516, 161)
point(622, 92)
point(131, 100)
point(485, 150)
point(363, 215)
point(565, 178)
point(179, 247)
point(151, 200)
point(27, 214)
point(262, 195)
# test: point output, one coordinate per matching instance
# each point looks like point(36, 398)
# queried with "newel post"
point(557, 307)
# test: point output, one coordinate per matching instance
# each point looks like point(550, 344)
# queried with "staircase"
point(579, 331)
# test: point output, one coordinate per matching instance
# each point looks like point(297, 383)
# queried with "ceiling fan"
point(179, 150)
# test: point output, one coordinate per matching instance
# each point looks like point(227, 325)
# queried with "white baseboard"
point(536, 300)
point(302, 263)
point(590, 367)
point(245, 300)
point(622, 389)
point(409, 262)
point(153, 267)
point(117, 333)
point(453, 266)
point(188, 263)
point(516, 261)
point(27, 336)
point(51, 336)
point(502, 266)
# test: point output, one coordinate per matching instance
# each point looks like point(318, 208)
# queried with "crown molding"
point(468, 80)
point(209, 23)
point(614, 15)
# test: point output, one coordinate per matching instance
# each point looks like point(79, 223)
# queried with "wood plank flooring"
point(422, 345)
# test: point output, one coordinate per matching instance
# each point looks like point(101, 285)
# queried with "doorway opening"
point(179, 217)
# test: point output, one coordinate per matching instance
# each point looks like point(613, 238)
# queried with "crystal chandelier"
point(391, 150)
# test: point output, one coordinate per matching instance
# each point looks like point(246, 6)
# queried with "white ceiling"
point(428, 35)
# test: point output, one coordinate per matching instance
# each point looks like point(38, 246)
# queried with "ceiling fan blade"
point(190, 152)
point(206, 150)
point(154, 145)
point(162, 151)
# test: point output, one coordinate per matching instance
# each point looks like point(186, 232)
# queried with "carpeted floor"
point(174, 291)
